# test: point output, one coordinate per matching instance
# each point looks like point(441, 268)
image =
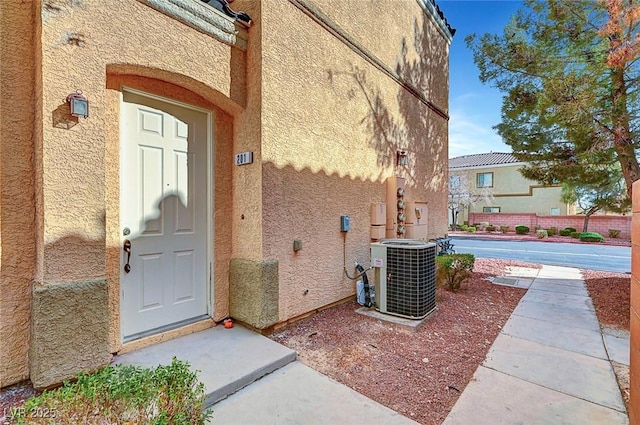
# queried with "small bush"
point(504, 229)
point(575, 235)
point(570, 229)
point(565, 232)
point(464, 227)
point(471, 229)
point(453, 269)
point(542, 234)
point(591, 237)
point(490, 228)
point(123, 395)
point(522, 230)
point(614, 233)
point(552, 231)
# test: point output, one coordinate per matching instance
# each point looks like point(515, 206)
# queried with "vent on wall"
point(405, 277)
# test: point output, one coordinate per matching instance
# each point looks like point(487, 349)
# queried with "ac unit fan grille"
point(411, 281)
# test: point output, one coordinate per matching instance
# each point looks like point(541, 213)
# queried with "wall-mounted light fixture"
point(78, 104)
point(402, 158)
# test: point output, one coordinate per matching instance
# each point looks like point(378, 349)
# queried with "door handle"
point(127, 248)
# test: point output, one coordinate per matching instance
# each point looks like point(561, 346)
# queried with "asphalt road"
point(583, 256)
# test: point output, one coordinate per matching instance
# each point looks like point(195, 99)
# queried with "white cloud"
point(471, 134)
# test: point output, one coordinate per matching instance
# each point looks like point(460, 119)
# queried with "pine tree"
point(569, 74)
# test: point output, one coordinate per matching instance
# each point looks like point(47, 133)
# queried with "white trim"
point(204, 18)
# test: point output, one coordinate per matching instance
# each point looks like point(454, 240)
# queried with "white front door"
point(164, 210)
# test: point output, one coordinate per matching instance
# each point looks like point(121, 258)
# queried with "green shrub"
point(453, 269)
point(552, 231)
point(522, 230)
point(591, 237)
point(570, 229)
point(504, 229)
point(471, 229)
point(542, 234)
point(123, 395)
point(574, 234)
point(464, 227)
point(565, 232)
point(614, 233)
point(490, 228)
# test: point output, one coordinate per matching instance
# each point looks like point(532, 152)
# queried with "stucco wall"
point(512, 193)
point(323, 122)
point(17, 202)
point(100, 47)
point(70, 331)
point(538, 200)
point(332, 123)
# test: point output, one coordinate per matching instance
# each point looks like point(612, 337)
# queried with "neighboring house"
point(497, 175)
point(215, 142)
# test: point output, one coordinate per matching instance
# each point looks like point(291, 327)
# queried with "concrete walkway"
point(251, 379)
point(549, 365)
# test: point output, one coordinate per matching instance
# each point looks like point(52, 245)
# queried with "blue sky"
point(474, 107)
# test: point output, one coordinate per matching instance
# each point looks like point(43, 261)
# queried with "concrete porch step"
point(228, 359)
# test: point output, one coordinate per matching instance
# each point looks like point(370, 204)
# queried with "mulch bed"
point(419, 374)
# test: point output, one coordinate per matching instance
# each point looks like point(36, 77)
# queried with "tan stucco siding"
point(247, 181)
point(512, 192)
point(394, 29)
point(332, 123)
point(101, 47)
point(78, 44)
point(540, 201)
point(17, 202)
point(508, 180)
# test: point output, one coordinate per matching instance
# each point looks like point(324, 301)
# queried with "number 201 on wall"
point(244, 158)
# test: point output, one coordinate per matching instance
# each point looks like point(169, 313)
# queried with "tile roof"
point(481, 159)
point(223, 6)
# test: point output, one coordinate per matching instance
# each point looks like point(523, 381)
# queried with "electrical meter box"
point(345, 224)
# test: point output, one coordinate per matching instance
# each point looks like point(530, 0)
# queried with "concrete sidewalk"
point(297, 394)
point(549, 364)
point(251, 379)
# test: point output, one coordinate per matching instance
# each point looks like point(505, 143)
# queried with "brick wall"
point(597, 223)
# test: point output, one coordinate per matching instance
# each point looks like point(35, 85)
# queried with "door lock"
point(127, 248)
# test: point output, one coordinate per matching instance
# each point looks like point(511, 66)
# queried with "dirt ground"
point(419, 374)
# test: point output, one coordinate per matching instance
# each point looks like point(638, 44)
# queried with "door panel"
point(164, 191)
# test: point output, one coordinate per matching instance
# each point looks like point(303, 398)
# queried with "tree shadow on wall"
point(421, 125)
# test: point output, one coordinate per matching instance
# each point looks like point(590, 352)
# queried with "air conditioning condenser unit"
point(405, 277)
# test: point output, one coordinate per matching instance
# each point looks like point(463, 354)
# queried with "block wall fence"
point(597, 223)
